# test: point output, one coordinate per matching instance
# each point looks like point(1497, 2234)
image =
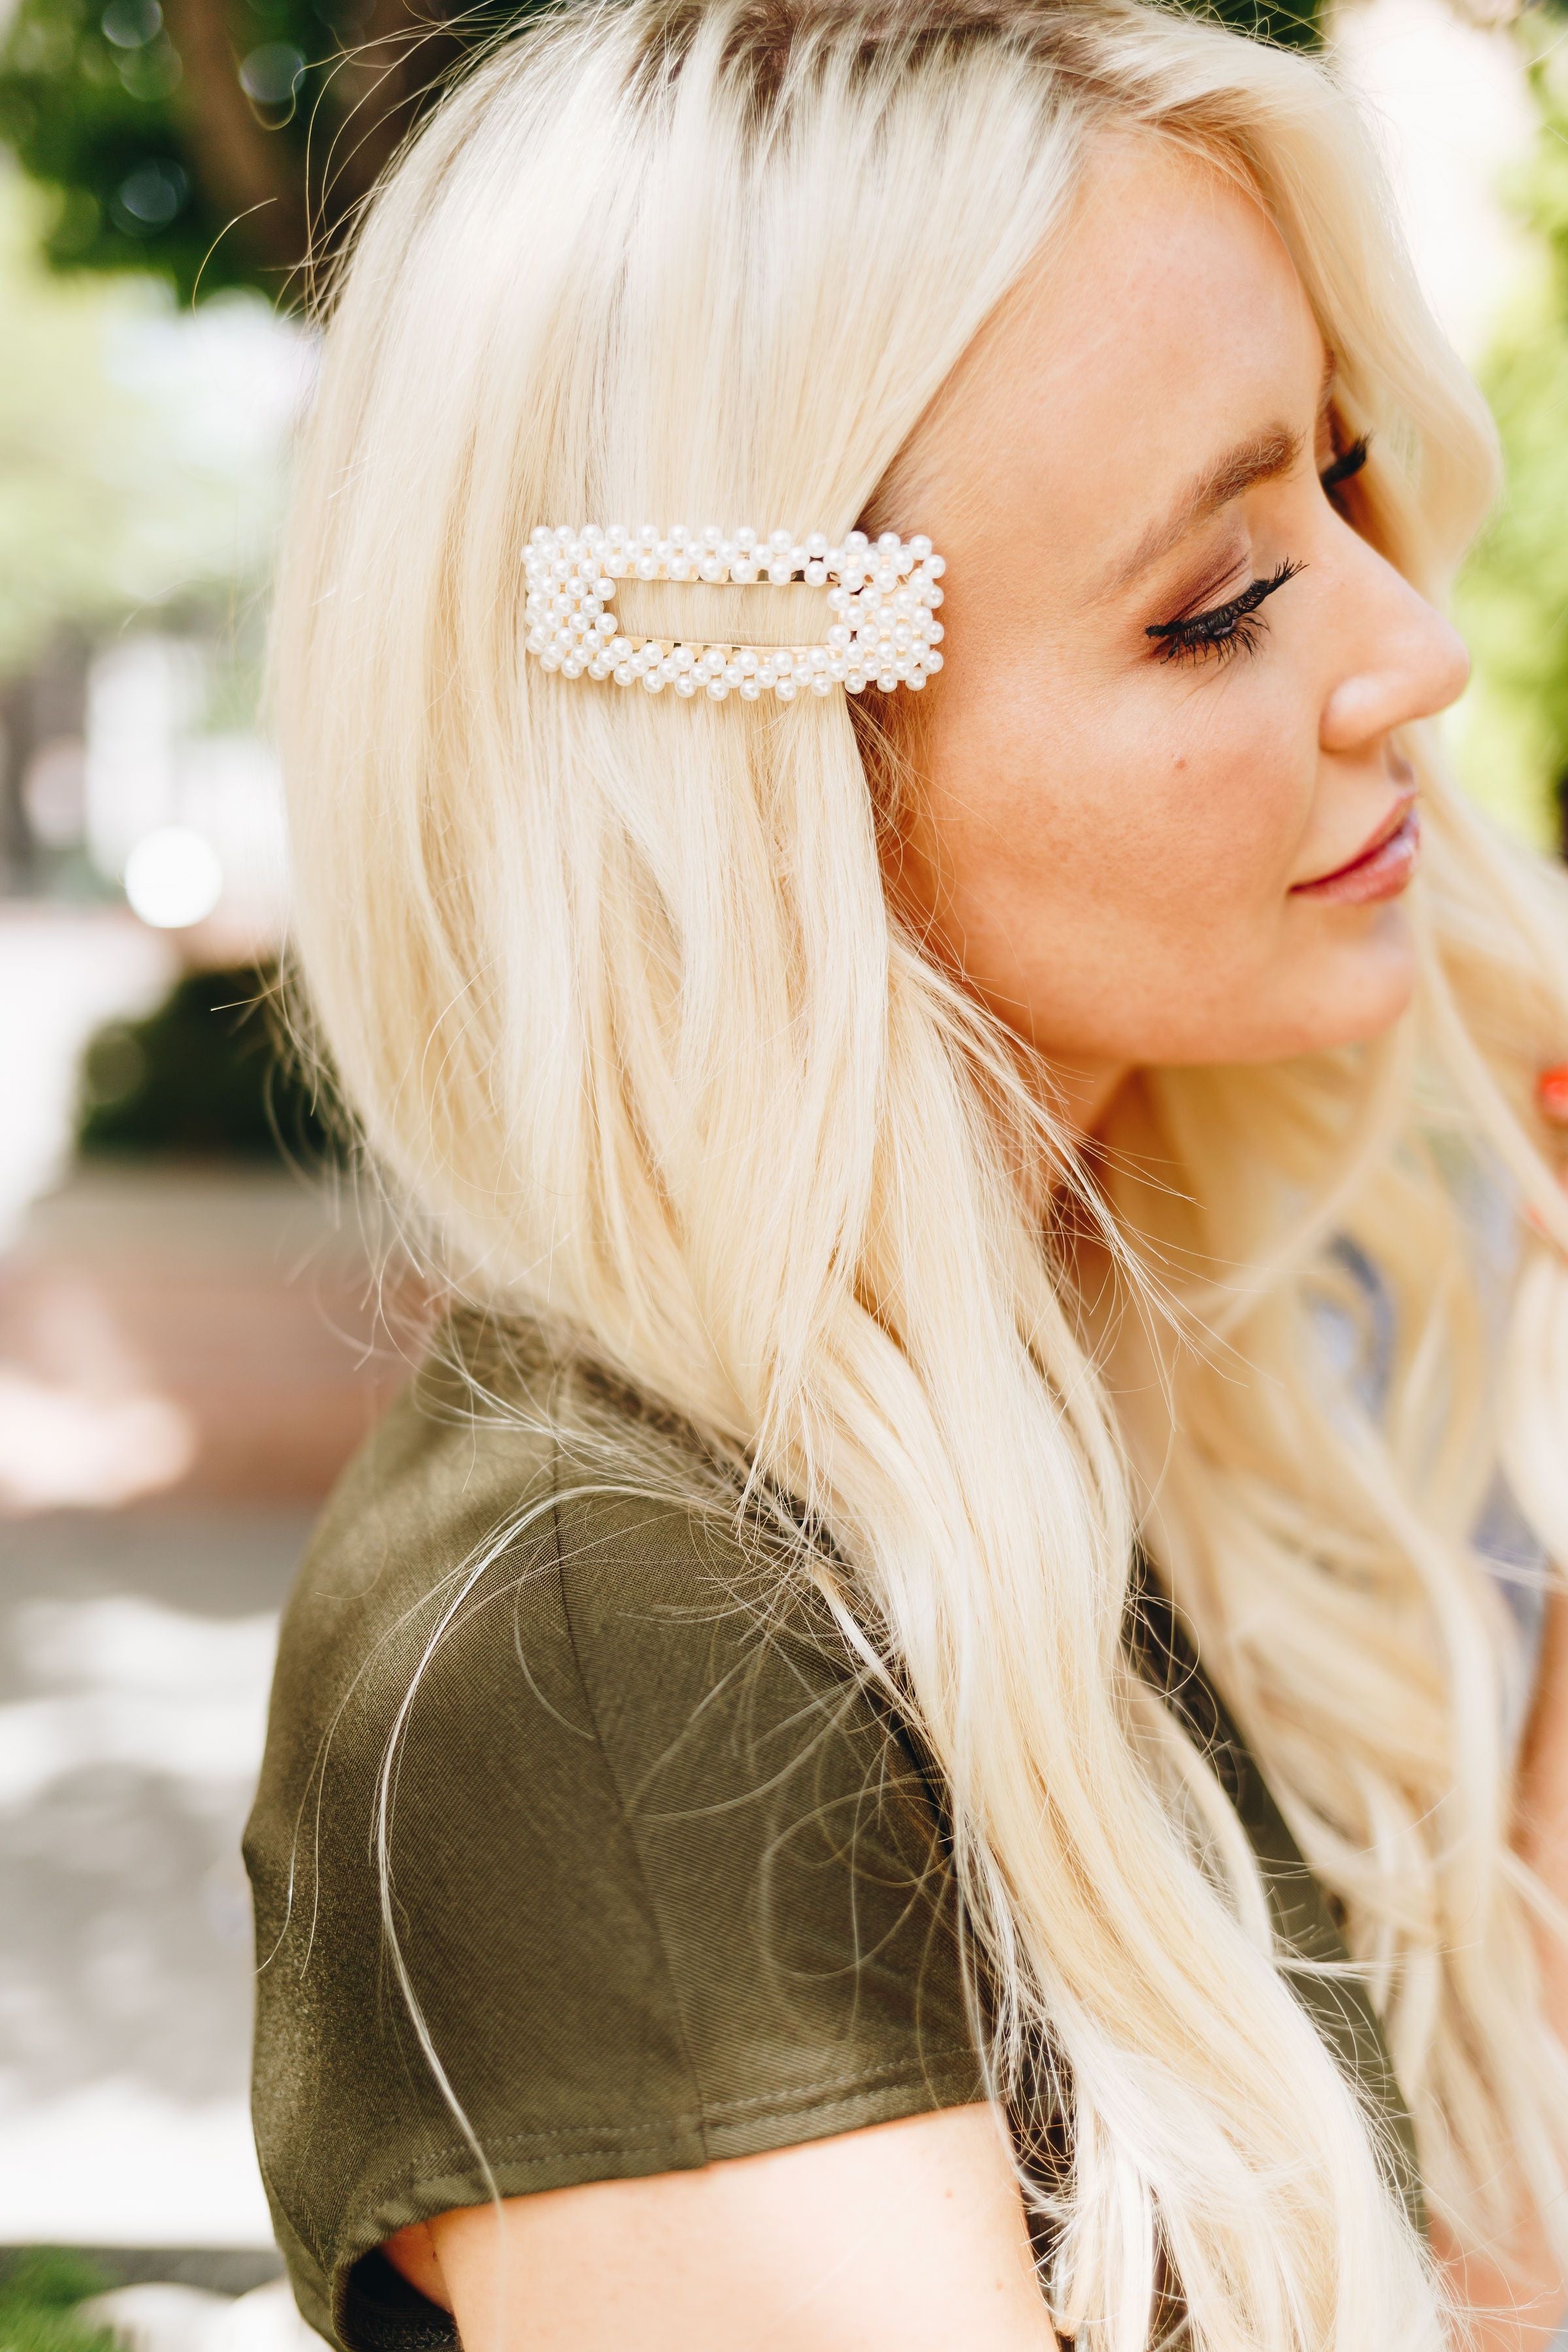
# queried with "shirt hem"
point(523, 2164)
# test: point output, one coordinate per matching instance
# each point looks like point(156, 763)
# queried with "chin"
point(1354, 994)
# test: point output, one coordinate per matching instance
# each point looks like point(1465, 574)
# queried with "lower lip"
point(1382, 873)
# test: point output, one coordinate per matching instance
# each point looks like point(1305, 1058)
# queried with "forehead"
point(1164, 323)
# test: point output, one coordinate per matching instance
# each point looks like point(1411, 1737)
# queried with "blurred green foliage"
point(39, 2290)
point(116, 490)
point(206, 1074)
point(217, 141)
point(1513, 598)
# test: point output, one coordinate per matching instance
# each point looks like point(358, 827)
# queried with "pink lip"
point(1382, 870)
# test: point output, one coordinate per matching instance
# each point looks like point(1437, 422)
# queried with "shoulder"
point(573, 1820)
point(481, 1553)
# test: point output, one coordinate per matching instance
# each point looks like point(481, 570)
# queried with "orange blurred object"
point(1551, 1094)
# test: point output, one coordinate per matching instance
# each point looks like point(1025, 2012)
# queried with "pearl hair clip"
point(883, 598)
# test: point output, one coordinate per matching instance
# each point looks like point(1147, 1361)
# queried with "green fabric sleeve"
point(668, 1886)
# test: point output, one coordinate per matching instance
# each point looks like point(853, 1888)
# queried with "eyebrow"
point(1262, 459)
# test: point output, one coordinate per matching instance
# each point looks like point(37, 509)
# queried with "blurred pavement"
point(198, 1347)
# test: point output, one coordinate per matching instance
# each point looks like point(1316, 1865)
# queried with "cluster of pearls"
point(883, 596)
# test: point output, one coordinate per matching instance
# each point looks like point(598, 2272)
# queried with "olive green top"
point(668, 1881)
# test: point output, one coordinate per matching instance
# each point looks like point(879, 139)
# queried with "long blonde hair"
point(614, 988)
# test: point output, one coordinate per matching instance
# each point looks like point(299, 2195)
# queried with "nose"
point(1406, 660)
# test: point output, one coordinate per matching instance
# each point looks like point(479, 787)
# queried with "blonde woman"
point(907, 1740)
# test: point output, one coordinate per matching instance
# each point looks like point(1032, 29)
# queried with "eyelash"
point(1226, 629)
point(1230, 629)
point(1346, 465)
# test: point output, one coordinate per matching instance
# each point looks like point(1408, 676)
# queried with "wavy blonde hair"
point(615, 990)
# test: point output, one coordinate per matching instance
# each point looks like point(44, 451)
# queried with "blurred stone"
point(159, 2318)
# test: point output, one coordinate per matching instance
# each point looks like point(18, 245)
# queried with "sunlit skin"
point(1130, 857)
point(1111, 841)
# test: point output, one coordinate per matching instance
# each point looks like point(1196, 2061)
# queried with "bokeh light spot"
point(173, 877)
point(132, 24)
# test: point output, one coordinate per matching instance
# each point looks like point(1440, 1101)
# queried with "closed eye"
point(1225, 629)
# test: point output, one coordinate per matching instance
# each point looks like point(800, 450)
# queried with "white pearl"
point(884, 601)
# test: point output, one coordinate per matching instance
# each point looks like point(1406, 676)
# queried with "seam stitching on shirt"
point(649, 1896)
point(634, 2140)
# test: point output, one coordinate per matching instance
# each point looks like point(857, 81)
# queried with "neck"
point(1084, 1091)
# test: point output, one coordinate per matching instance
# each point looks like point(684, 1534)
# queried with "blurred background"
point(188, 1344)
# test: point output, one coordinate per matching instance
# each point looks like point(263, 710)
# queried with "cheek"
point(1175, 803)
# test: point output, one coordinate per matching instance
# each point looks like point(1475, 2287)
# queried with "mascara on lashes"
point(1224, 625)
point(1221, 625)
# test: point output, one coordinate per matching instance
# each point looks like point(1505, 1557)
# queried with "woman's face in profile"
point(1165, 816)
